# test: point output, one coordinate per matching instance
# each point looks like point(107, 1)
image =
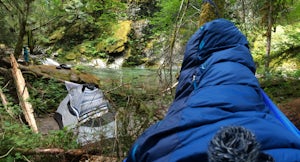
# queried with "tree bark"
point(5, 103)
point(23, 15)
point(269, 37)
point(22, 32)
point(51, 151)
point(210, 10)
point(50, 72)
point(23, 94)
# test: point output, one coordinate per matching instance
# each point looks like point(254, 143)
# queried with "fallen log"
point(61, 75)
point(51, 151)
point(23, 94)
point(81, 153)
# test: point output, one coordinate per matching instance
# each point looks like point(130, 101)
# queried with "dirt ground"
point(292, 110)
point(46, 124)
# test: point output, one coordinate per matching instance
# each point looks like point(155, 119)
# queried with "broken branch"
point(23, 94)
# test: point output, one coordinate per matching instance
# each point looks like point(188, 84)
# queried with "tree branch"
point(42, 25)
point(5, 6)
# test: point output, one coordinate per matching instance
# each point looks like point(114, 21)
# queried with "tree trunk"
point(22, 32)
point(23, 15)
point(30, 41)
point(269, 37)
point(210, 10)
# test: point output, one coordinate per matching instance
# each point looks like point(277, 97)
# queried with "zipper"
point(194, 81)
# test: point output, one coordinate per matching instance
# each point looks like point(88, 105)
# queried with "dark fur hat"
point(236, 144)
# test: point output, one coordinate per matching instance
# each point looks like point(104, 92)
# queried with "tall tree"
point(23, 12)
point(272, 10)
point(19, 10)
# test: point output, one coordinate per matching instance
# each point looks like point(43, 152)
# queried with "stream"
point(137, 78)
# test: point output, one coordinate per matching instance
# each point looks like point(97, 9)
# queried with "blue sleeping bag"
point(217, 88)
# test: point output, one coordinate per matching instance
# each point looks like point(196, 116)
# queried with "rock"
point(117, 42)
point(71, 56)
point(46, 124)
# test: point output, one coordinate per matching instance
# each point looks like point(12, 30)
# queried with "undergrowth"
point(135, 110)
point(281, 89)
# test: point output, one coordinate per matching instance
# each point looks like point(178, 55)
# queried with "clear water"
point(133, 77)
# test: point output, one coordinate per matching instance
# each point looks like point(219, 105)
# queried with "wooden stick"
point(5, 103)
point(51, 151)
point(71, 152)
point(3, 98)
point(23, 94)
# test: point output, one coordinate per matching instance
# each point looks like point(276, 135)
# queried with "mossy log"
point(51, 72)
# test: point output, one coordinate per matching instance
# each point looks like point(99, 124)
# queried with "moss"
point(71, 56)
point(69, 75)
point(101, 46)
point(59, 51)
point(116, 43)
point(208, 12)
point(57, 35)
point(140, 1)
point(82, 49)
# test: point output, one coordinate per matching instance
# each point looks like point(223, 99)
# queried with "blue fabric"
point(217, 87)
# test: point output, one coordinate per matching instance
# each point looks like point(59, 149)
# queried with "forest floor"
point(292, 110)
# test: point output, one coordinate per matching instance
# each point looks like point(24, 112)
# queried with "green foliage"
point(64, 139)
point(280, 88)
point(278, 8)
point(6, 35)
point(18, 136)
point(294, 15)
point(89, 49)
point(285, 42)
point(86, 21)
point(285, 38)
point(93, 13)
point(296, 74)
point(12, 13)
point(75, 11)
point(133, 61)
point(165, 18)
point(45, 94)
point(137, 109)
